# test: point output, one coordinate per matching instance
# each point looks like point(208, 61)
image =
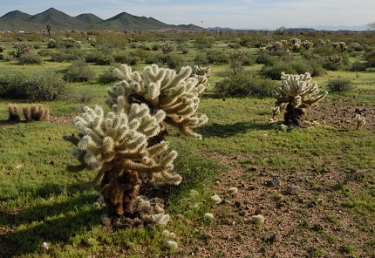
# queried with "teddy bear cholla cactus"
point(295, 94)
point(126, 147)
point(161, 88)
point(117, 147)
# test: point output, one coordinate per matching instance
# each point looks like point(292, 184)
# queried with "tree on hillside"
point(371, 26)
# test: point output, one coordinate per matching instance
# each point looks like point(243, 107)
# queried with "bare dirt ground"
point(301, 219)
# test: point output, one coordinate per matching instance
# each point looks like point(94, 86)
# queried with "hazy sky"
point(236, 14)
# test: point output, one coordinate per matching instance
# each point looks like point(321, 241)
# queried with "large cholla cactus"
point(126, 146)
point(295, 94)
point(117, 147)
point(161, 88)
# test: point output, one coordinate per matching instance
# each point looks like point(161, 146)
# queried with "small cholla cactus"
point(360, 121)
point(35, 113)
point(167, 48)
point(14, 114)
point(307, 44)
point(295, 94)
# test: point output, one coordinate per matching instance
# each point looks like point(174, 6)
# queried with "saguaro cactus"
point(296, 94)
point(126, 147)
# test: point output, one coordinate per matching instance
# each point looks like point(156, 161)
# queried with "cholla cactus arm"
point(121, 138)
point(162, 89)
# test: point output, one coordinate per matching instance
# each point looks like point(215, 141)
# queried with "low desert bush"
point(244, 84)
point(67, 55)
point(79, 71)
point(107, 76)
point(30, 58)
point(340, 85)
point(37, 87)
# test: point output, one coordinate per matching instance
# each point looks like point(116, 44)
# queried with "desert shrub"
point(45, 86)
point(52, 44)
point(67, 55)
point(302, 66)
point(121, 57)
point(184, 49)
point(332, 66)
point(30, 58)
point(340, 85)
point(152, 59)
point(358, 66)
point(155, 47)
point(11, 86)
point(107, 76)
point(40, 87)
point(370, 58)
point(203, 42)
point(244, 84)
point(100, 57)
point(234, 45)
point(248, 60)
point(274, 72)
point(37, 45)
point(217, 57)
point(45, 52)
point(22, 48)
point(172, 61)
point(265, 58)
point(141, 53)
point(79, 71)
point(201, 59)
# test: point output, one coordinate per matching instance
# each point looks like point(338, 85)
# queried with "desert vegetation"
point(183, 144)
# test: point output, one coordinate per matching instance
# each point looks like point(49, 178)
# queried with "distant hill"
point(17, 20)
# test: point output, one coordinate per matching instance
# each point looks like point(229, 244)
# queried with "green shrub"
point(107, 76)
point(79, 71)
point(265, 58)
point(201, 59)
point(172, 61)
point(100, 57)
point(370, 58)
point(358, 66)
point(121, 57)
point(22, 48)
point(52, 44)
point(37, 45)
point(30, 58)
point(67, 55)
point(184, 49)
point(340, 85)
point(217, 57)
point(45, 52)
point(39, 87)
point(244, 84)
point(274, 72)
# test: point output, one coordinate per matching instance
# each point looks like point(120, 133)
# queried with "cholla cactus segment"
point(298, 90)
point(119, 138)
point(162, 89)
point(360, 121)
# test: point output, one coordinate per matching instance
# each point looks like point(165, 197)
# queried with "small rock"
point(292, 189)
point(275, 181)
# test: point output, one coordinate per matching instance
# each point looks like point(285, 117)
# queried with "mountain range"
point(17, 20)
